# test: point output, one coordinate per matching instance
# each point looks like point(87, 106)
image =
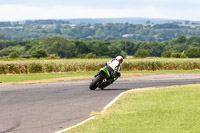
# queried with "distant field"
point(79, 65)
point(37, 71)
point(74, 65)
point(130, 59)
point(57, 61)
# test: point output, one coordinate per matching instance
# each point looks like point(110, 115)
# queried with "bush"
point(90, 56)
point(81, 55)
point(39, 53)
point(13, 55)
point(178, 55)
point(166, 54)
point(193, 53)
point(183, 55)
point(141, 53)
point(53, 57)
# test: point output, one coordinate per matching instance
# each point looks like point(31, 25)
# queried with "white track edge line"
point(108, 105)
point(64, 130)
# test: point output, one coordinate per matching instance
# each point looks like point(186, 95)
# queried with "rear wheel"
point(95, 82)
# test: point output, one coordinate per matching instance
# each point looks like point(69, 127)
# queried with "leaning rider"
point(114, 67)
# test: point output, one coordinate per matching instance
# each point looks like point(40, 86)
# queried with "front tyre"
point(95, 82)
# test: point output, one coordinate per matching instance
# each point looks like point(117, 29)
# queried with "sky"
point(14, 10)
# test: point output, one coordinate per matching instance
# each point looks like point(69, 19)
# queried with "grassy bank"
point(54, 77)
point(162, 110)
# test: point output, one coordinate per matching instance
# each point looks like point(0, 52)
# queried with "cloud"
point(22, 12)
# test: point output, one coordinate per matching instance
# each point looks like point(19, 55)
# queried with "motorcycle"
point(104, 78)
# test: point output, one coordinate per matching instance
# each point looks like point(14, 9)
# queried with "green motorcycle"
point(104, 78)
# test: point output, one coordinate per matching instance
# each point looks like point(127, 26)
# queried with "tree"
point(178, 40)
point(113, 51)
point(39, 53)
point(60, 46)
point(166, 54)
point(180, 47)
point(193, 52)
point(155, 49)
point(6, 51)
point(175, 55)
point(13, 55)
point(82, 47)
point(141, 53)
point(148, 22)
point(100, 48)
point(58, 31)
point(187, 22)
point(90, 56)
point(193, 39)
point(195, 44)
point(181, 39)
point(2, 37)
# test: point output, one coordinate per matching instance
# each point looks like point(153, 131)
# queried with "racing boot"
point(96, 75)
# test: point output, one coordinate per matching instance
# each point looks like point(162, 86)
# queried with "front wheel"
point(95, 82)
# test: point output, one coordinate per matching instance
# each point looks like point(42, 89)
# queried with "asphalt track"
point(49, 107)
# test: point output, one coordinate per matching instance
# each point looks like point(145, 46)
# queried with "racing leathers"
point(115, 68)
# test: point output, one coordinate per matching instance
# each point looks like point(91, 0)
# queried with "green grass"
point(162, 110)
point(12, 78)
point(44, 77)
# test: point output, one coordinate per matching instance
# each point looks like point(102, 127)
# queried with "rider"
point(113, 66)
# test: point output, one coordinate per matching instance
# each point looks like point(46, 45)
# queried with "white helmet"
point(120, 59)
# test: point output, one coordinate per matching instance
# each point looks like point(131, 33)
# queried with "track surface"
point(49, 107)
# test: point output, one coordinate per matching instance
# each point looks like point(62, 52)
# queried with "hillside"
point(133, 29)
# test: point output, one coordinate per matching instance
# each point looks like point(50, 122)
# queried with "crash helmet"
point(120, 59)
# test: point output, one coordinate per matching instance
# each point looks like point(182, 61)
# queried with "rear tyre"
point(95, 82)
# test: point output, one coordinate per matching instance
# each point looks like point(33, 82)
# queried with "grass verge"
point(43, 77)
point(160, 110)
point(54, 77)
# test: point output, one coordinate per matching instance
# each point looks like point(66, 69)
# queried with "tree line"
point(96, 31)
point(66, 48)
